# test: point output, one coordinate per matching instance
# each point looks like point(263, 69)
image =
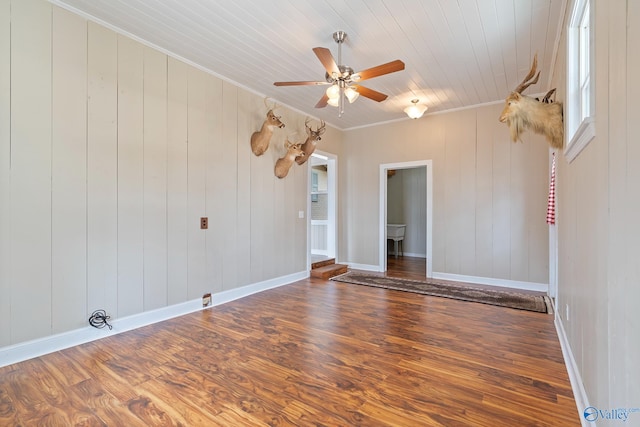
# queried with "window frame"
point(580, 106)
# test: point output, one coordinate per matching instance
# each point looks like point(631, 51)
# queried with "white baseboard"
point(41, 346)
point(414, 255)
point(514, 284)
point(237, 293)
point(579, 393)
point(365, 267)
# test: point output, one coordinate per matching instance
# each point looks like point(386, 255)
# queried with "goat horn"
point(547, 98)
point(522, 86)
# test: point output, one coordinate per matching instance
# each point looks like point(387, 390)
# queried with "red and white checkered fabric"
point(551, 205)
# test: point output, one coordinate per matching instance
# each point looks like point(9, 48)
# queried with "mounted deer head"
point(283, 164)
point(523, 112)
point(260, 140)
point(313, 136)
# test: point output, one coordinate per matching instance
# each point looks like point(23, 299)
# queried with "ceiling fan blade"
point(325, 56)
point(370, 93)
point(300, 83)
point(389, 67)
point(323, 101)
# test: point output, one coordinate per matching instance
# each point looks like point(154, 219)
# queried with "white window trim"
point(585, 131)
point(581, 138)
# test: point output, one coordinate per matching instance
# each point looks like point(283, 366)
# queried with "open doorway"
point(322, 206)
point(424, 230)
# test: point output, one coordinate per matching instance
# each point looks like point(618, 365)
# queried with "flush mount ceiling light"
point(415, 111)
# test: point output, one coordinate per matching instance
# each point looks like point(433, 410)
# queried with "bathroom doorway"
point(419, 231)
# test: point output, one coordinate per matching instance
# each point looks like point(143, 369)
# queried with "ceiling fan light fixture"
point(415, 111)
point(333, 92)
point(351, 94)
point(334, 102)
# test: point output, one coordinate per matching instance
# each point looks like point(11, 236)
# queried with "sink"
point(395, 230)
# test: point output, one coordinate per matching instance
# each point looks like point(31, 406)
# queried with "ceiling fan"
point(343, 79)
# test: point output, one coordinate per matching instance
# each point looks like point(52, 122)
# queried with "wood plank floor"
point(313, 353)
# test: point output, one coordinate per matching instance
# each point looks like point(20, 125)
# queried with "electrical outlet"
point(204, 223)
point(566, 307)
point(206, 299)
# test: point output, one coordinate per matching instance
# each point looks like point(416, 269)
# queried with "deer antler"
point(320, 126)
point(272, 107)
point(522, 86)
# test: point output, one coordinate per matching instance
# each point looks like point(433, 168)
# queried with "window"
point(579, 114)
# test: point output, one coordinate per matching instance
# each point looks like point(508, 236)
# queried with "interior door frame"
point(332, 211)
point(428, 164)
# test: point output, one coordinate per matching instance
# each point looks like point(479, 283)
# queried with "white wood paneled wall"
point(177, 181)
point(110, 152)
point(5, 172)
point(489, 194)
point(155, 180)
point(130, 177)
point(31, 163)
point(598, 211)
point(102, 169)
point(69, 170)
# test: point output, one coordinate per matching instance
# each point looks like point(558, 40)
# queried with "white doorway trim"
point(382, 264)
point(331, 161)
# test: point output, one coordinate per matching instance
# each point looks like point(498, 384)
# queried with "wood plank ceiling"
point(458, 53)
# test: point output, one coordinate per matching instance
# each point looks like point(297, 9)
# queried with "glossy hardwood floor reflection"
point(313, 353)
point(407, 267)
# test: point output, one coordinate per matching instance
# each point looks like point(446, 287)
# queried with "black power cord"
point(99, 319)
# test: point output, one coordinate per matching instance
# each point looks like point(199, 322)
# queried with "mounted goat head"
point(284, 163)
point(309, 145)
point(523, 112)
point(260, 140)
